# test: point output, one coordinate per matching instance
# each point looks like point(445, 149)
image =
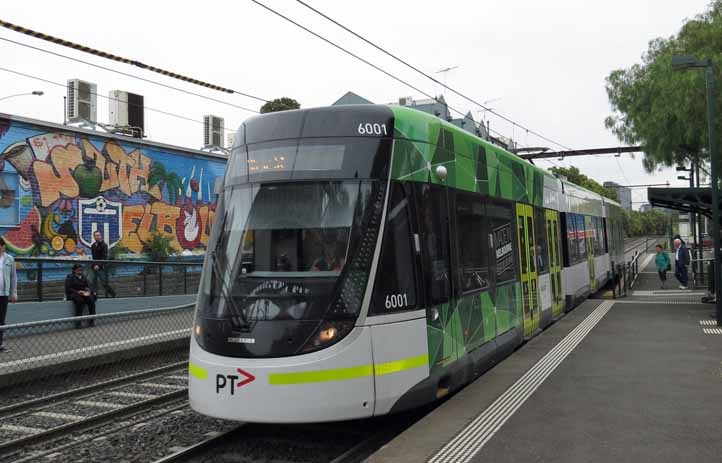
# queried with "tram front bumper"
point(333, 384)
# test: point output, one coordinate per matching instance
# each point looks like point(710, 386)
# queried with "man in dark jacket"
point(681, 261)
point(100, 252)
point(78, 290)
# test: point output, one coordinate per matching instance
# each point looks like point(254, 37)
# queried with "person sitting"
point(80, 292)
point(331, 260)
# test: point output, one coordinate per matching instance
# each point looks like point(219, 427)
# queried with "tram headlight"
point(329, 333)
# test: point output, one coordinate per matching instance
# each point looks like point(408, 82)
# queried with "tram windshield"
point(283, 247)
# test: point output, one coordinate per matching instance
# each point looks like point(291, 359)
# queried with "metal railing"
point(42, 348)
point(42, 279)
point(624, 275)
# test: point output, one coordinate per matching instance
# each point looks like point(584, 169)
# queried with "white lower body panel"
point(338, 385)
point(576, 279)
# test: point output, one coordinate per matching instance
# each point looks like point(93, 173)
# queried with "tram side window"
point(473, 242)
point(598, 236)
point(434, 237)
point(581, 236)
point(502, 226)
point(542, 242)
point(572, 240)
point(395, 288)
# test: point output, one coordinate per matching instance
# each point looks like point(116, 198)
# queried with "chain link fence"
point(44, 279)
point(51, 347)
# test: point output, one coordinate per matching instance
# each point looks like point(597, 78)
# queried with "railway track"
point(55, 417)
point(345, 442)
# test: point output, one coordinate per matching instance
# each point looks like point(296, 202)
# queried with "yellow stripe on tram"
point(401, 365)
point(341, 374)
point(338, 374)
point(198, 372)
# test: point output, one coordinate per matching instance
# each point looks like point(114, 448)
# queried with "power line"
point(125, 74)
point(398, 79)
point(121, 59)
point(160, 111)
point(381, 49)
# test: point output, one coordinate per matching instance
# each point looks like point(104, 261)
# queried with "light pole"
point(687, 62)
point(36, 93)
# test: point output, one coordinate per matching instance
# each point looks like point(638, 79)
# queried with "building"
point(624, 194)
point(58, 184)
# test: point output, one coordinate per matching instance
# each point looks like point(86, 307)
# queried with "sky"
point(541, 64)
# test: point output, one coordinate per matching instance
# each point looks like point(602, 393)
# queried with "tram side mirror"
point(218, 185)
point(441, 172)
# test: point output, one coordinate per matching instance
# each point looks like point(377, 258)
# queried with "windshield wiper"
point(225, 293)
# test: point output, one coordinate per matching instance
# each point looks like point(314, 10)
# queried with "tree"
point(660, 108)
point(280, 104)
point(576, 177)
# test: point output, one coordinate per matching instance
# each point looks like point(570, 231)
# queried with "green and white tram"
point(369, 259)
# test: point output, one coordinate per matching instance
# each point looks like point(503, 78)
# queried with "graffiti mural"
point(70, 184)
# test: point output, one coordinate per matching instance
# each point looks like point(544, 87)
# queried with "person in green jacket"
point(663, 264)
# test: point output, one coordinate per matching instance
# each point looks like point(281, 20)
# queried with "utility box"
point(213, 131)
point(82, 101)
point(126, 111)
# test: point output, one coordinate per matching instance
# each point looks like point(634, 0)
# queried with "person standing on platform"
point(98, 271)
point(8, 286)
point(681, 261)
point(79, 291)
point(663, 264)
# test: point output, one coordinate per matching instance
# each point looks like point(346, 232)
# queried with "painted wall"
point(57, 186)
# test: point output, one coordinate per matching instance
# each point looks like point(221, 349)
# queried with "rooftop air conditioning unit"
point(126, 110)
point(406, 101)
point(82, 101)
point(212, 131)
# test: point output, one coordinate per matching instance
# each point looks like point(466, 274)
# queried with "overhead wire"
point(110, 56)
point(365, 61)
point(126, 74)
point(160, 111)
point(383, 50)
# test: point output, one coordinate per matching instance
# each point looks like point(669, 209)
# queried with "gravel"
point(147, 442)
point(34, 421)
point(61, 383)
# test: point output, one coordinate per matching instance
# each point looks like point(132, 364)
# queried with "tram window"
point(572, 240)
point(395, 287)
point(502, 225)
point(472, 239)
point(542, 241)
point(581, 237)
point(532, 244)
point(523, 250)
point(433, 227)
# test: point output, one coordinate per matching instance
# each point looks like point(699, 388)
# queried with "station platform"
point(626, 380)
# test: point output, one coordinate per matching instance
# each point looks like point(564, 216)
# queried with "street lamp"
point(35, 92)
point(687, 62)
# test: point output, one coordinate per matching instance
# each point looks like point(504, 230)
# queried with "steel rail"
point(79, 392)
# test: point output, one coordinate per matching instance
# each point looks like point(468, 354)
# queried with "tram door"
point(527, 261)
point(590, 230)
point(555, 261)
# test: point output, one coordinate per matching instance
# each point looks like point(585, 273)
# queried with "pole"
point(693, 225)
point(700, 225)
point(714, 161)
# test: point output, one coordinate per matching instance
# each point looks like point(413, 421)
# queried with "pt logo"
point(232, 381)
point(102, 215)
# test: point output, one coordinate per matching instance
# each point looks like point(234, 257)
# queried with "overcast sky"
point(542, 64)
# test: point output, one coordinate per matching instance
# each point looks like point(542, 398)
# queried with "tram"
point(369, 259)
